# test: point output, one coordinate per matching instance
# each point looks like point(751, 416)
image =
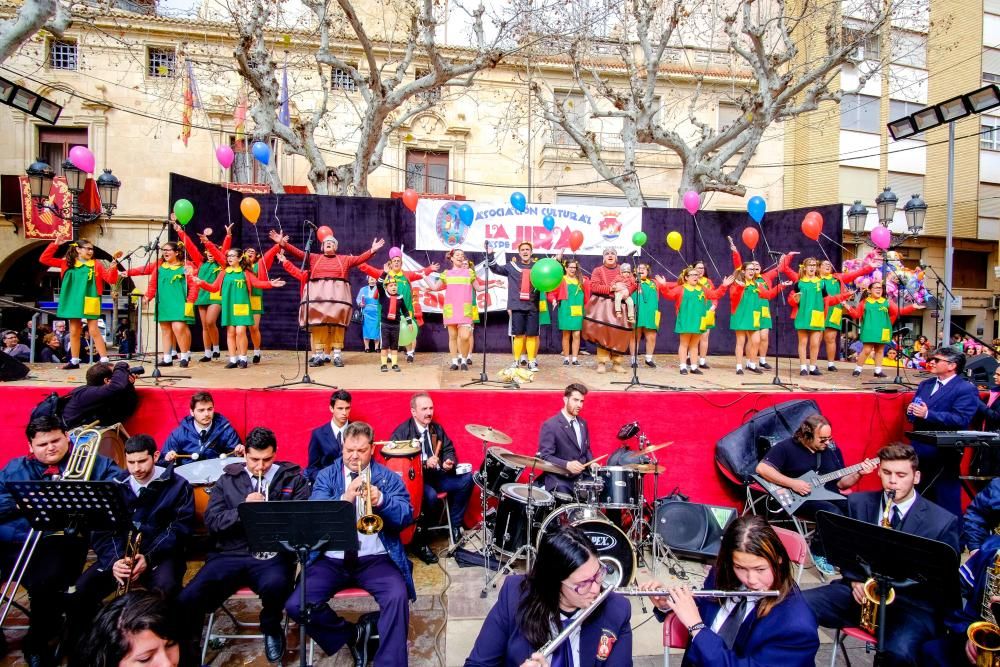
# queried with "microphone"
point(901, 330)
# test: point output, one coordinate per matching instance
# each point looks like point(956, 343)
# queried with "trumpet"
point(131, 555)
point(635, 591)
point(263, 490)
point(369, 523)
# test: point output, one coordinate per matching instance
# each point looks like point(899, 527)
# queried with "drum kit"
point(608, 504)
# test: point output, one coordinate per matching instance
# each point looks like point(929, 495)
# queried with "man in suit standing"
point(945, 402)
point(439, 459)
point(910, 620)
point(379, 565)
point(327, 440)
point(565, 441)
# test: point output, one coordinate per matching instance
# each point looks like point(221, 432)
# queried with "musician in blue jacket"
point(982, 516)
point(204, 434)
point(379, 565)
point(945, 402)
point(564, 581)
point(327, 440)
point(58, 559)
point(746, 631)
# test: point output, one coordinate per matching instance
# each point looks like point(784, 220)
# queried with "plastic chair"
point(861, 635)
point(345, 594)
point(443, 497)
point(241, 594)
point(797, 548)
point(675, 635)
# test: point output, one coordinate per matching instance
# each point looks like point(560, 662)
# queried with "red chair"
point(797, 548)
point(675, 635)
point(861, 635)
point(345, 594)
point(242, 594)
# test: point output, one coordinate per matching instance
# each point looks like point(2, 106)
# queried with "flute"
point(635, 591)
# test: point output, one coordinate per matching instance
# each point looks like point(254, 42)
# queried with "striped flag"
point(284, 116)
point(188, 105)
point(240, 121)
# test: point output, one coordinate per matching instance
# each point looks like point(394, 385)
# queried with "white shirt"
point(421, 429)
point(904, 507)
point(941, 382)
point(574, 637)
point(727, 608)
point(577, 429)
point(137, 485)
point(338, 431)
point(368, 545)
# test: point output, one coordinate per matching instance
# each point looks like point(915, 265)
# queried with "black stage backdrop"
point(357, 220)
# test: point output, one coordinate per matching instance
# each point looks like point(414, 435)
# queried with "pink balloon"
point(692, 202)
point(82, 159)
point(225, 156)
point(881, 237)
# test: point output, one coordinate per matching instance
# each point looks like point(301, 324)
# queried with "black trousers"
point(390, 334)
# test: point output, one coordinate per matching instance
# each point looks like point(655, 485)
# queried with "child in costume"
point(623, 297)
point(876, 315)
point(83, 280)
point(768, 277)
point(569, 299)
point(460, 309)
point(371, 331)
point(209, 304)
point(260, 265)
point(746, 297)
point(691, 297)
point(648, 311)
point(236, 283)
point(522, 302)
point(710, 306)
point(392, 310)
point(404, 284)
point(810, 301)
point(835, 283)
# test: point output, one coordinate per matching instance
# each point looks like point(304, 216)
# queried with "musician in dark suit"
point(910, 620)
point(327, 440)
point(379, 565)
point(439, 458)
point(565, 441)
point(946, 402)
point(763, 631)
point(564, 580)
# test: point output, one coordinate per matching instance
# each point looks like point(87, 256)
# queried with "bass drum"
point(608, 539)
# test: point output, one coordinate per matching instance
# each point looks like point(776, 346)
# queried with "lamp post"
point(40, 176)
point(915, 211)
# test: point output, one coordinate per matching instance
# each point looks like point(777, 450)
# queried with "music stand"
point(300, 527)
point(892, 558)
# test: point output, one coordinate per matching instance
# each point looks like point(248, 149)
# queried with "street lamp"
point(40, 176)
point(857, 215)
point(915, 210)
point(886, 204)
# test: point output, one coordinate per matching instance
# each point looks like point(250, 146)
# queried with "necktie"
point(339, 440)
point(897, 518)
point(51, 471)
point(576, 432)
point(203, 436)
point(731, 626)
point(937, 385)
point(428, 452)
point(563, 657)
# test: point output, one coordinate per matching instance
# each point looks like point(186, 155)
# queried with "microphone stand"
point(941, 284)
point(306, 379)
point(127, 258)
point(484, 379)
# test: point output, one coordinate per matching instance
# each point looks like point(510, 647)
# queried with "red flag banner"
point(41, 223)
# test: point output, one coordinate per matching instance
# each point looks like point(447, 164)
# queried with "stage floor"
point(431, 371)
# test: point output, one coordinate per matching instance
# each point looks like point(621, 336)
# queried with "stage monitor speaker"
point(980, 370)
point(692, 529)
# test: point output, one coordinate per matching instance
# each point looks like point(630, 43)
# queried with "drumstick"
point(593, 461)
point(194, 457)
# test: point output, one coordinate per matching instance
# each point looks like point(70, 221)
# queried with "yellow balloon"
point(674, 240)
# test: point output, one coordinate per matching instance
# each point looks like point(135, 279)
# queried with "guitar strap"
point(819, 459)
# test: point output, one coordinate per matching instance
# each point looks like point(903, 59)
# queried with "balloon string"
point(763, 236)
point(658, 263)
point(842, 247)
point(697, 231)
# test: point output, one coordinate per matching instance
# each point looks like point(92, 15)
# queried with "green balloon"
point(407, 332)
point(639, 239)
point(546, 275)
point(184, 211)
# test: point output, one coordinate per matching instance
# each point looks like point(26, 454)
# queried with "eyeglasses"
point(584, 586)
point(828, 438)
point(938, 360)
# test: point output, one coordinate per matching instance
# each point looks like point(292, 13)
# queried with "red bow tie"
point(52, 471)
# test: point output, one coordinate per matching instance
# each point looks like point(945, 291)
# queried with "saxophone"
point(985, 634)
point(869, 606)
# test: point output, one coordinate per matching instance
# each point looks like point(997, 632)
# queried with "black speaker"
point(692, 529)
point(980, 370)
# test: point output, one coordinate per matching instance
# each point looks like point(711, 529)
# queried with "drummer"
point(204, 434)
point(564, 440)
point(438, 454)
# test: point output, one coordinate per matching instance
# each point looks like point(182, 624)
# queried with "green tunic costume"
point(691, 313)
point(647, 306)
point(78, 297)
point(571, 308)
point(748, 312)
point(544, 316)
point(709, 315)
point(208, 272)
point(236, 310)
point(171, 295)
point(876, 325)
point(256, 294)
point(811, 315)
point(834, 314)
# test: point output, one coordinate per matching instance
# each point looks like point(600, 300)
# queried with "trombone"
point(369, 523)
point(131, 556)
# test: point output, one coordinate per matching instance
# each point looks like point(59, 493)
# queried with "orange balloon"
point(250, 208)
point(812, 225)
point(410, 199)
point(575, 240)
point(751, 237)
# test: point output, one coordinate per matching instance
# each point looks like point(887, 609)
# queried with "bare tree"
point(32, 16)
point(784, 59)
point(385, 79)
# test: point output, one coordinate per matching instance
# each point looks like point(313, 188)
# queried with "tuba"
point(369, 523)
point(985, 634)
point(79, 466)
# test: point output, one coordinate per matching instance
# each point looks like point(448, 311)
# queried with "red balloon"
point(751, 237)
point(323, 233)
point(410, 199)
point(812, 225)
point(575, 240)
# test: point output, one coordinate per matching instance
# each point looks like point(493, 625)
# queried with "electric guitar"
point(791, 501)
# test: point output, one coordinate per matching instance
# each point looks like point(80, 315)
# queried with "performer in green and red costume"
point(209, 304)
point(647, 305)
point(690, 296)
point(876, 315)
point(747, 297)
point(569, 300)
point(809, 305)
point(83, 280)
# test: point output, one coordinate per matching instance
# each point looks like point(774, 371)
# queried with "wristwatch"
point(696, 627)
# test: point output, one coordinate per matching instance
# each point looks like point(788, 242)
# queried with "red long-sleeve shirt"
point(102, 274)
point(602, 278)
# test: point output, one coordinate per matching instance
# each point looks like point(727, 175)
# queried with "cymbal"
point(534, 462)
point(646, 468)
point(649, 450)
point(488, 434)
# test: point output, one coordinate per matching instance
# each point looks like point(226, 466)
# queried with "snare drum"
point(622, 488)
point(496, 471)
point(510, 531)
point(607, 538)
point(406, 462)
point(203, 475)
point(588, 489)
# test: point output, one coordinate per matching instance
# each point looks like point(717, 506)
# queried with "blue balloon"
point(756, 207)
point(466, 214)
point(518, 201)
point(549, 222)
point(262, 152)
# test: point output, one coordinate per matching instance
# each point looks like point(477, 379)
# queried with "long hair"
point(559, 555)
point(807, 429)
point(244, 261)
point(110, 636)
point(73, 251)
point(753, 535)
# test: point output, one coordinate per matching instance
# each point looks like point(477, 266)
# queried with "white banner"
point(433, 301)
point(439, 227)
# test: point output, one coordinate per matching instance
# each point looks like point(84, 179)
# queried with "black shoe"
point(424, 553)
point(739, 371)
point(338, 362)
point(566, 361)
point(242, 363)
point(696, 371)
point(463, 367)
point(855, 373)
point(256, 358)
point(650, 363)
point(765, 365)
point(207, 357)
point(409, 358)
point(815, 371)
point(184, 363)
point(576, 362)
point(704, 366)
point(274, 647)
point(384, 368)
point(356, 643)
point(523, 363)
point(216, 355)
point(830, 368)
point(161, 363)
point(684, 371)
point(396, 368)
point(454, 366)
point(367, 350)
point(803, 372)
point(70, 366)
point(754, 369)
point(231, 364)
point(315, 362)
point(880, 374)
